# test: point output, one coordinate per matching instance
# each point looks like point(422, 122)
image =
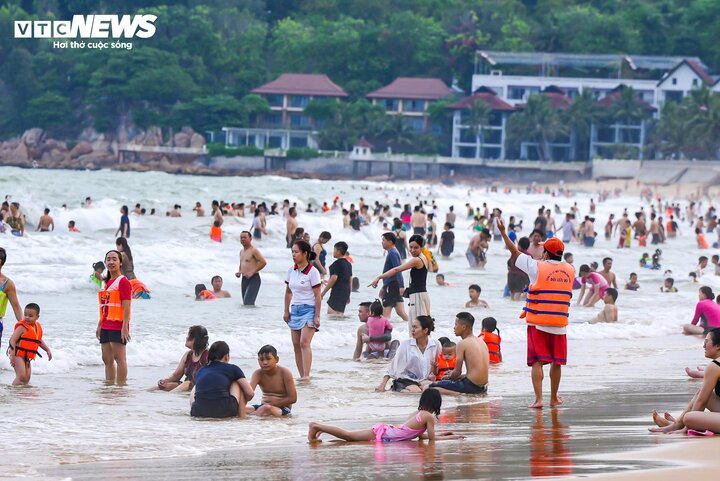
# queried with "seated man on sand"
point(473, 353)
point(609, 313)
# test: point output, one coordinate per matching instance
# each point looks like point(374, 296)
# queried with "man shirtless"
point(291, 226)
point(199, 210)
point(607, 274)
point(471, 351)
point(251, 263)
point(277, 384)
point(655, 230)
point(418, 221)
point(46, 223)
point(217, 212)
point(217, 283)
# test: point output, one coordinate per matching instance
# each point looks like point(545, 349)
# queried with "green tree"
point(578, 119)
point(539, 122)
point(48, 111)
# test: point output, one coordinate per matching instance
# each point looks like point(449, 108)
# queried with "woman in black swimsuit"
point(702, 414)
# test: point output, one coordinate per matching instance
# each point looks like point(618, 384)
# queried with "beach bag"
point(434, 267)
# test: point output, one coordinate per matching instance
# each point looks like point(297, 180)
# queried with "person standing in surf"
point(113, 329)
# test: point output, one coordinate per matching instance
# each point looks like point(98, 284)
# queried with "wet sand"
point(504, 440)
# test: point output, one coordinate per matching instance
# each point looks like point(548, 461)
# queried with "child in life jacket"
point(487, 334)
point(25, 343)
point(216, 232)
point(421, 425)
point(446, 359)
point(702, 243)
point(97, 276)
point(202, 293)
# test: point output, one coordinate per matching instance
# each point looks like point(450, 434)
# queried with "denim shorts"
point(302, 315)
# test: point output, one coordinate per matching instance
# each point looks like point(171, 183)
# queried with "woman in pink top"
point(707, 314)
point(377, 325)
point(415, 427)
point(597, 291)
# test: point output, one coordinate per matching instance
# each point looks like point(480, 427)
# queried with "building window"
point(417, 124)
point(273, 119)
point(492, 136)
point(391, 105)
point(298, 142)
point(274, 142)
point(490, 153)
point(298, 120)
point(299, 101)
point(674, 81)
point(516, 93)
point(413, 105)
point(695, 82)
point(673, 96)
point(274, 100)
point(467, 136)
point(466, 152)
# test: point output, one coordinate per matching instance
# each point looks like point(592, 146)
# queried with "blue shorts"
point(285, 410)
point(463, 385)
point(302, 315)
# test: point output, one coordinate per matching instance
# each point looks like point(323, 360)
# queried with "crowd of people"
point(540, 274)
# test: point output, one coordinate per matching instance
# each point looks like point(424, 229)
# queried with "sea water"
point(68, 414)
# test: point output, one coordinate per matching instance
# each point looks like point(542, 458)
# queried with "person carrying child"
point(277, 384)
point(473, 353)
point(377, 325)
point(446, 358)
point(421, 425)
point(203, 294)
point(492, 340)
point(25, 342)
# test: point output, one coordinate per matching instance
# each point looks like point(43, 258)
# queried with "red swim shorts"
point(545, 348)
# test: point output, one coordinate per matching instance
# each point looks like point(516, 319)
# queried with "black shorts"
point(517, 282)
point(215, 408)
point(401, 383)
point(391, 294)
point(111, 335)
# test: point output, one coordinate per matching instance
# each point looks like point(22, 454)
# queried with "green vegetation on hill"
point(207, 55)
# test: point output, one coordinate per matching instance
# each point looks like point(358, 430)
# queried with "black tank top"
point(418, 280)
point(717, 384)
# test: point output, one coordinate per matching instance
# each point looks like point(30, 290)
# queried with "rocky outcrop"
point(95, 150)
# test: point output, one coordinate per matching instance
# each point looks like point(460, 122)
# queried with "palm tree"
point(578, 118)
point(478, 116)
point(628, 109)
point(398, 132)
point(705, 125)
point(539, 122)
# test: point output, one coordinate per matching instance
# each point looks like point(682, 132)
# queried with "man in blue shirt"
point(390, 292)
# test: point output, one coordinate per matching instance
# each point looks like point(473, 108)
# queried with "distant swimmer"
point(202, 293)
point(609, 312)
point(199, 210)
point(217, 284)
point(291, 226)
point(474, 294)
point(277, 385)
point(217, 212)
point(15, 219)
point(46, 223)
point(251, 263)
point(71, 227)
point(128, 268)
point(124, 229)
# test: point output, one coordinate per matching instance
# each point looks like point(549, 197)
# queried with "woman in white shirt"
point(414, 360)
point(302, 305)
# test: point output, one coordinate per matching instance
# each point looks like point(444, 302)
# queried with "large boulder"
point(181, 139)
point(33, 137)
point(82, 148)
point(197, 141)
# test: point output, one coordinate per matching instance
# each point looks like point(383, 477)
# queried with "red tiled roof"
point(413, 88)
point(558, 99)
point(696, 67)
point(614, 96)
point(302, 84)
point(363, 143)
point(484, 95)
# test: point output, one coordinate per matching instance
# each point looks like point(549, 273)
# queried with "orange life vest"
point(28, 344)
point(109, 298)
point(493, 343)
point(206, 295)
point(548, 299)
point(702, 241)
point(445, 365)
point(216, 233)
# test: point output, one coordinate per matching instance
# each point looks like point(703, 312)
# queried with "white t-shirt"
point(530, 267)
point(301, 284)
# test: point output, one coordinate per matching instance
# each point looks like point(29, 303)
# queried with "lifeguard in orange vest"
point(546, 311)
point(113, 330)
point(492, 340)
point(25, 343)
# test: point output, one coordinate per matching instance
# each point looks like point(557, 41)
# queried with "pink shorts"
point(545, 348)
